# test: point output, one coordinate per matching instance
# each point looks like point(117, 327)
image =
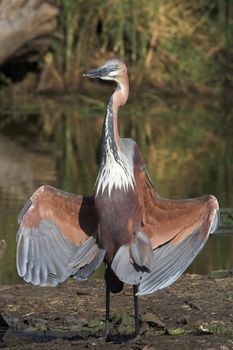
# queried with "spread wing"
point(57, 237)
point(177, 230)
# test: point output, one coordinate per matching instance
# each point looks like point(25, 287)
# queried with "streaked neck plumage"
point(116, 169)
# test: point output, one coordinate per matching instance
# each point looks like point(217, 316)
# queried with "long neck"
point(116, 167)
point(110, 134)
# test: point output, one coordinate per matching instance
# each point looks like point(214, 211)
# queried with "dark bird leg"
point(136, 318)
point(107, 305)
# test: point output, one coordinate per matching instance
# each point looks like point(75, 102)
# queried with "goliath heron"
point(143, 239)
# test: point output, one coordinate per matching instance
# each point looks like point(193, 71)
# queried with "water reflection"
point(188, 152)
point(20, 170)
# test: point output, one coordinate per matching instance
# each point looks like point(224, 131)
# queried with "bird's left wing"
point(57, 237)
point(170, 234)
point(177, 231)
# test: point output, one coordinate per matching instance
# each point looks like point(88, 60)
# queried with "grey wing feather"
point(170, 261)
point(132, 260)
point(86, 271)
point(80, 257)
point(44, 254)
point(124, 267)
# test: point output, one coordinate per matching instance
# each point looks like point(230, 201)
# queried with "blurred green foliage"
point(177, 46)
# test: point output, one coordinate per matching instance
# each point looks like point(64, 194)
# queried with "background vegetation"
point(177, 46)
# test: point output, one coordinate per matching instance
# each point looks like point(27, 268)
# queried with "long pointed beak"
point(98, 73)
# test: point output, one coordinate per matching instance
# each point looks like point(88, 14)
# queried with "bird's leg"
point(107, 305)
point(135, 297)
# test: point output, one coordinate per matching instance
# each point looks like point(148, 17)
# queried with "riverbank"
point(195, 312)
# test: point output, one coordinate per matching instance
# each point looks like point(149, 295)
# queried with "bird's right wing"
point(57, 237)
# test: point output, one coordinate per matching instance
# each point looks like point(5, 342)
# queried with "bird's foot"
point(136, 337)
point(108, 337)
point(107, 332)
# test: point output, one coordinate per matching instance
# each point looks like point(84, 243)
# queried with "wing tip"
point(215, 214)
point(41, 189)
point(215, 222)
point(24, 211)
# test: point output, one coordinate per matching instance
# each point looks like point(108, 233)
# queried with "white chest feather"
point(117, 171)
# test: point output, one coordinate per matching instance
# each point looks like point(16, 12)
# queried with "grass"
point(219, 330)
point(177, 46)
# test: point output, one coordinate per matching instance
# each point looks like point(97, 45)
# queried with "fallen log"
point(22, 22)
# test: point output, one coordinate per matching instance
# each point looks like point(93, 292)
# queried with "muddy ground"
point(196, 312)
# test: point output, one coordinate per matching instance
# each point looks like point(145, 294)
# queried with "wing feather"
point(36, 264)
point(57, 237)
point(83, 273)
point(25, 267)
point(169, 263)
point(43, 263)
point(177, 230)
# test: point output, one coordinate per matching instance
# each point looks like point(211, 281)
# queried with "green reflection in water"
point(186, 145)
point(8, 229)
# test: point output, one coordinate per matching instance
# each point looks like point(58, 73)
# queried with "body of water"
point(187, 147)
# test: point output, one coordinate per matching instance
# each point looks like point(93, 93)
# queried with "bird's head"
point(111, 70)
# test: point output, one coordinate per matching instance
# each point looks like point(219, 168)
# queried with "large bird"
point(143, 239)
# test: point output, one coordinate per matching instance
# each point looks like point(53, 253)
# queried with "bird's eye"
point(117, 66)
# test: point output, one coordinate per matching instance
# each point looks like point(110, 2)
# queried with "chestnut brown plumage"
point(143, 239)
